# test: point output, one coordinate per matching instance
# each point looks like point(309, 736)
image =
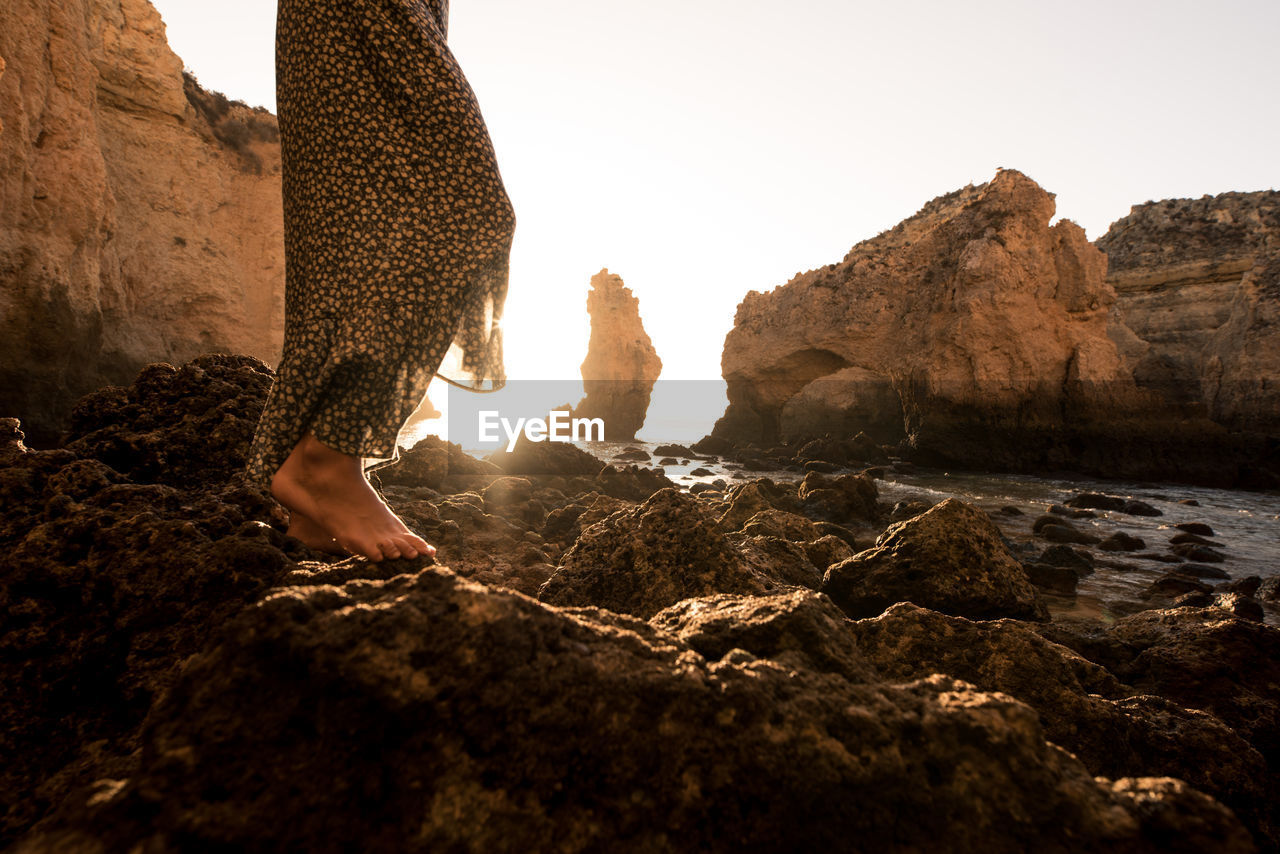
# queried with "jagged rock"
point(796, 625)
point(781, 524)
point(122, 553)
point(427, 713)
point(827, 550)
point(1199, 658)
point(1082, 707)
point(621, 365)
point(642, 560)
point(776, 559)
point(631, 482)
point(546, 458)
point(849, 497)
point(952, 559)
point(433, 462)
point(142, 215)
point(1198, 280)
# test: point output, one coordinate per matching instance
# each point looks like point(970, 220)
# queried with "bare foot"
point(329, 488)
point(308, 531)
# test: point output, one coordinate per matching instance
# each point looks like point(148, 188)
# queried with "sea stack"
point(621, 365)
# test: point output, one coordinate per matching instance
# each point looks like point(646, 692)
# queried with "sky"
point(704, 148)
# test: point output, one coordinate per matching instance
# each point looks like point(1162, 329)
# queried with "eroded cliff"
point(1199, 281)
point(973, 333)
point(140, 217)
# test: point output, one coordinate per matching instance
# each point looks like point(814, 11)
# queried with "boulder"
point(952, 559)
point(642, 560)
point(1122, 542)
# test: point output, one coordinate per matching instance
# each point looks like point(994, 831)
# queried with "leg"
point(329, 488)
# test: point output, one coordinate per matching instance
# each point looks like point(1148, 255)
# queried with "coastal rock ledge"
point(182, 676)
point(977, 334)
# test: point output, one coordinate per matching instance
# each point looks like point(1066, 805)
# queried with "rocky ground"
point(598, 661)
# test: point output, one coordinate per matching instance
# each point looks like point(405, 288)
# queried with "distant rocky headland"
point(977, 334)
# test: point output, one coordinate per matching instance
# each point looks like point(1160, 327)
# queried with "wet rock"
point(1052, 579)
point(1071, 512)
point(1197, 528)
point(1068, 558)
point(1061, 532)
point(1010, 510)
point(712, 445)
point(702, 472)
point(642, 560)
point(674, 451)
point(668, 461)
point(427, 713)
point(1199, 570)
point(1199, 554)
point(820, 467)
point(1129, 506)
point(1174, 584)
point(633, 454)
point(1245, 607)
point(1121, 541)
point(1247, 587)
point(951, 559)
point(1193, 539)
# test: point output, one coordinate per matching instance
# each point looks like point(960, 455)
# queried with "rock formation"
point(1198, 281)
point(197, 680)
point(973, 333)
point(621, 365)
point(140, 217)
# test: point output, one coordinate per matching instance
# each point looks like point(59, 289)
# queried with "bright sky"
point(704, 148)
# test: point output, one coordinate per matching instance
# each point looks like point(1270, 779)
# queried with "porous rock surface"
point(950, 558)
point(196, 680)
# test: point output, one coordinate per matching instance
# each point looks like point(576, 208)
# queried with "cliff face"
point(1199, 281)
point(973, 333)
point(621, 365)
point(140, 219)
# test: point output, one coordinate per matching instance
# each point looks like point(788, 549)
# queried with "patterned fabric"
point(397, 226)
